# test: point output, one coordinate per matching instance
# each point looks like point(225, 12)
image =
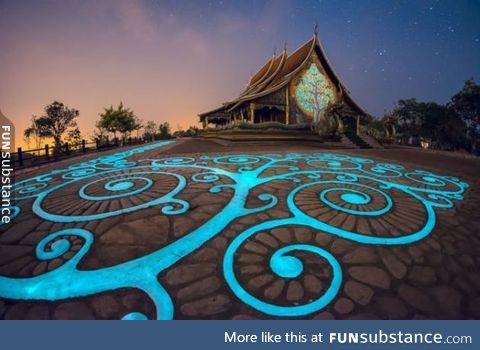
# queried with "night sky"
point(169, 60)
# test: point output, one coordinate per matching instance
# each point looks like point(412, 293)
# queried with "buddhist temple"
point(290, 89)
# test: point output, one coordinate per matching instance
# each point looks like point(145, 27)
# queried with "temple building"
point(290, 89)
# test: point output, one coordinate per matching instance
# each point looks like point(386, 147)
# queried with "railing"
point(34, 157)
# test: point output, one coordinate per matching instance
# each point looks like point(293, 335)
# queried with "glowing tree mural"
point(314, 93)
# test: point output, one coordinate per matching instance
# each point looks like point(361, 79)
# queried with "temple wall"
point(276, 98)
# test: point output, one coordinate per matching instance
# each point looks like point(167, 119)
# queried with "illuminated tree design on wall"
point(318, 182)
point(313, 92)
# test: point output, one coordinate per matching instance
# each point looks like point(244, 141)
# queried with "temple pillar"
point(205, 123)
point(287, 107)
point(252, 112)
point(358, 125)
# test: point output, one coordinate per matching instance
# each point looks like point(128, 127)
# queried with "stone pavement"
point(130, 229)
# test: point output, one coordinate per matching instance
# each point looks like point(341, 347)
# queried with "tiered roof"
point(279, 70)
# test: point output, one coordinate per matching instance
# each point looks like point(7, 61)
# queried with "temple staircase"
point(360, 140)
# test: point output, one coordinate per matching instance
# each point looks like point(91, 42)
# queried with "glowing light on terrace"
point(349, 185)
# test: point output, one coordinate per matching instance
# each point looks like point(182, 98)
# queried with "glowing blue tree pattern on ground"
point(351, 185)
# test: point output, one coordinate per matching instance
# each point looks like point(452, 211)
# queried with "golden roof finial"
point(315, 29)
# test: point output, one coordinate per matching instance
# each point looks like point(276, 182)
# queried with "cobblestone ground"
point(437, 277)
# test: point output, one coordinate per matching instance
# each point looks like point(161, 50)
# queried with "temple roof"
point(261, 73)
point(278, 71)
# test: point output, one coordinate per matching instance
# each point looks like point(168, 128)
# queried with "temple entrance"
point(350, 123)
point(269, 114)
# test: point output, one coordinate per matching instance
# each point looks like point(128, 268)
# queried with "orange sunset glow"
point(90, 55)
point(169, 61)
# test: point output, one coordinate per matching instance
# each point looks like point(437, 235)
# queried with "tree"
point(119, 119)
point(108, 121)
point(58, 119)
point(137, 124)
point(33, 131)
point(74, 138)
point(99, 134)
point(164, 130)
point(466, 104)
point(409, 116)
point(450, 131)
point(192, 131)
point(150, 130)
point(440, 125)
point(126, 122)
